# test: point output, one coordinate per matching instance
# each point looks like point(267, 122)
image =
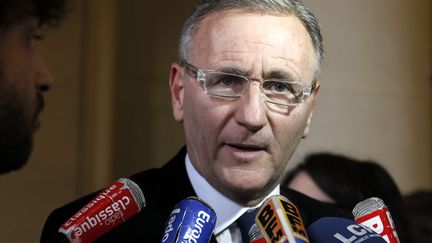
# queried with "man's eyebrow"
point(234, 70)
point(275, 74)
point(280, 74)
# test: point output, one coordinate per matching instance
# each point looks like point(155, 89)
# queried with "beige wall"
point(110, 116)
point(145, 132)
point(375, 100)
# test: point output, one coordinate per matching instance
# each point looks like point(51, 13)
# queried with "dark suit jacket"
point(163, 188)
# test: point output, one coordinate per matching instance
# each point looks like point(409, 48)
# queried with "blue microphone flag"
point(337, 230)
point(191, 220)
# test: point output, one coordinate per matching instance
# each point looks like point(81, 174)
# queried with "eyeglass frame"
point(200, 76)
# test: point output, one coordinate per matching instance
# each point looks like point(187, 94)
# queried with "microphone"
point(111, 207)
point(279, 221)
point(337, 230)
point(255, 235)
point(374, 214)
point(191, 220)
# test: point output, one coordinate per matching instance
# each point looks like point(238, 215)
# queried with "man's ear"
point(177, 91)
point(314, 101)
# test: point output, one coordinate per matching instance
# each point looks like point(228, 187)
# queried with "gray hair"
point(272, 7)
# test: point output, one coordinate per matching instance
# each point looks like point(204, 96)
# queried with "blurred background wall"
point(109, 114)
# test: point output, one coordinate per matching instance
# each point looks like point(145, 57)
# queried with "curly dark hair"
point(48, 12)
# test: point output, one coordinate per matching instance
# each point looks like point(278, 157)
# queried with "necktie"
point(245, 222)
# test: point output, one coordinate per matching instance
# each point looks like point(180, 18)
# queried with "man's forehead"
point(229, 14)
point(264, 46)
point(231, 29)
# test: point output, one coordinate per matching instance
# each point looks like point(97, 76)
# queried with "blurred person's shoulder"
point(312, 209)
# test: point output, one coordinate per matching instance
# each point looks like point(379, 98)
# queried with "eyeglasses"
point(228, 85)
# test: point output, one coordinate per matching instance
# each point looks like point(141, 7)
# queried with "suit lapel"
point(176, 168)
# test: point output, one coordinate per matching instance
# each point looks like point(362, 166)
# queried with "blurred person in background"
point(24, 77)
point(419, 210)
point(342, 182)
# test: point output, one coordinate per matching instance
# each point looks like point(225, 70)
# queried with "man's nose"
point(252, 110)
point(43, 78)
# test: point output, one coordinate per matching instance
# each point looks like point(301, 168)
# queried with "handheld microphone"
point(111, 207)
point(191, 220)
point(255, 235)
point(374, 214)
point(337, 230)
point(279, 220)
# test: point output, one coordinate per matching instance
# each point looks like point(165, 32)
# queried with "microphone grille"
point(255, 233)
point(136, 192)
point(368, 206)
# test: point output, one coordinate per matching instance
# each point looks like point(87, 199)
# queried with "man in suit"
point(245, 90)
point(23, 75)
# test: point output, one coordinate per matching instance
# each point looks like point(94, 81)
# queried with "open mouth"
point(246, 152)
point(246, 147)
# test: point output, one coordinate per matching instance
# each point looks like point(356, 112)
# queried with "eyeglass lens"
point(231, 85)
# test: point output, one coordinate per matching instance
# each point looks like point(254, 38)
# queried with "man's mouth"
point(247, 147)
point(40, 104)
point(246, 152)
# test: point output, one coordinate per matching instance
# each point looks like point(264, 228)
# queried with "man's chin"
point(248, 193)
point(249, 198)
point(14, 157)
point(19, 120)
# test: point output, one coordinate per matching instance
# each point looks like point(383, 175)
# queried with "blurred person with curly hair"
point(24, 77)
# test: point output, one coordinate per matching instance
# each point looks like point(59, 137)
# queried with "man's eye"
point(227, 81)
point(35, 36)
point(223, 80)
point(280, 87)
point(38, 36)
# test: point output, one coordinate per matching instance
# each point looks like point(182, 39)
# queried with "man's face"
point(242, 146)
point(23, 77)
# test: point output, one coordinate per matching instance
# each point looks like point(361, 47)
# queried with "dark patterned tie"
point(245, 222)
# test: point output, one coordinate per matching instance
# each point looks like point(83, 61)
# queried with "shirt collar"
point(227, 211)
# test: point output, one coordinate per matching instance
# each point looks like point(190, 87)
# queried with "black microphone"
point(337, 230)
point(191, 220)
point(110, 208)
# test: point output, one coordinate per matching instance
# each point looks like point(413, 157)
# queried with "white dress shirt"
point(227, 211)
